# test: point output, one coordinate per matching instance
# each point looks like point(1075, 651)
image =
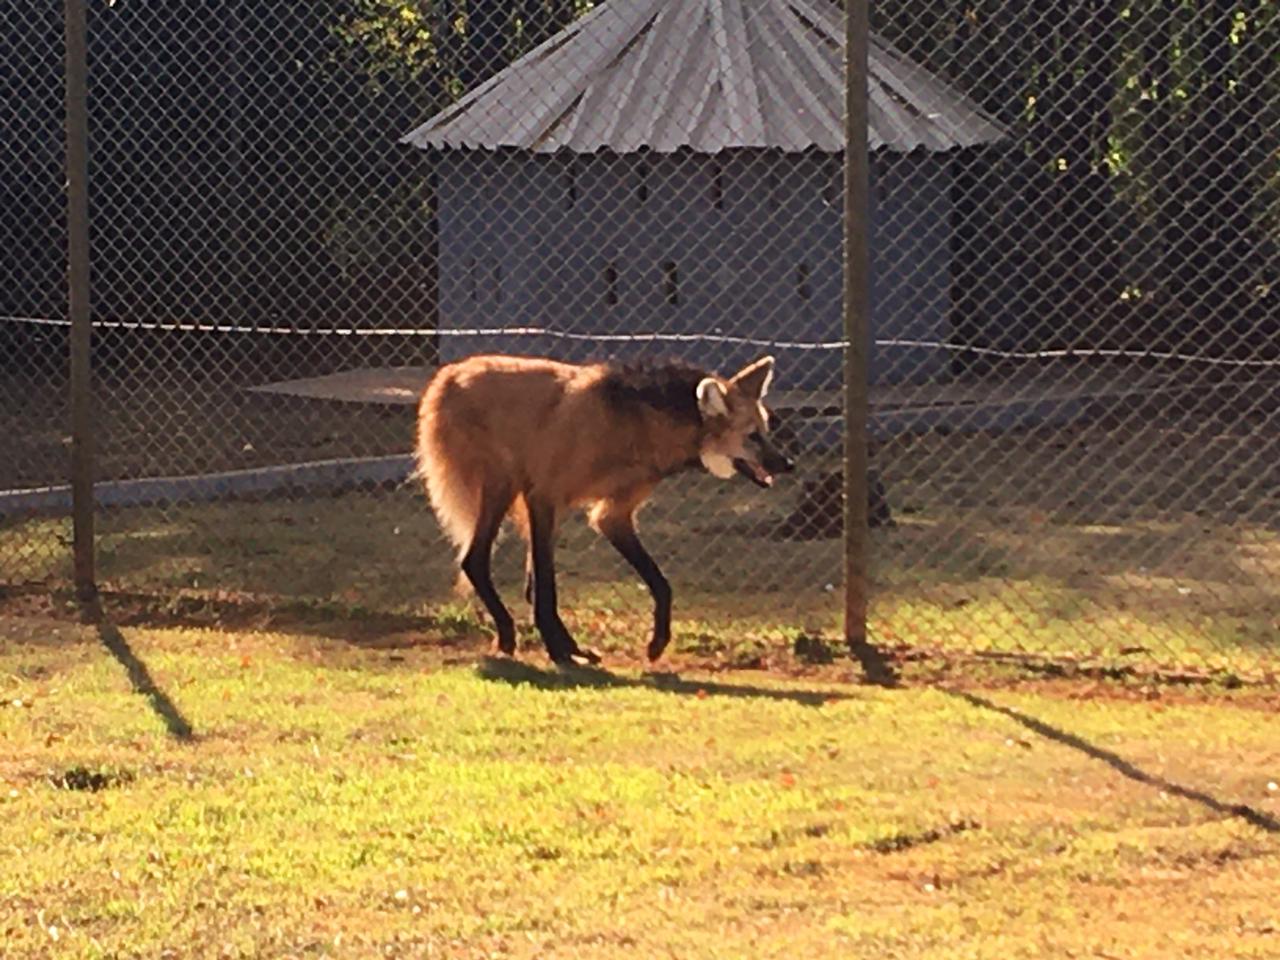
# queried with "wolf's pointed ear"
point(754, 379)
point(711, 399)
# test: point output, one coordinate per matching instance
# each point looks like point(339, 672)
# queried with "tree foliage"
point(448, 46)
point(1144, 177)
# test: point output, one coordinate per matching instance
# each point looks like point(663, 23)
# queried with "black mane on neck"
point(669, 387)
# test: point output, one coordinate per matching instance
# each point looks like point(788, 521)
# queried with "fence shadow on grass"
point(516, 673)
point(139, 676)
point(1251, 815)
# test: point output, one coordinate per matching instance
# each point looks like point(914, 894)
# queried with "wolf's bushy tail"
point(453, 479)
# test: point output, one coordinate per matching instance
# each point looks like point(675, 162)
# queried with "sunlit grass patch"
point(342, 799)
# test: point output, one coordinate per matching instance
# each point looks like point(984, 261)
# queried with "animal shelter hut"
point(676, 166)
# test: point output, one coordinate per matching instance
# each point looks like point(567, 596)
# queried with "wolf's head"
point(735, 437)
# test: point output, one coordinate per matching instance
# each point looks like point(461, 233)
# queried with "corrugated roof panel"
point(900, 123)
point(796, 82)
point(606, 108)
point(800, 112)
point(688, 111)
point(707, 75)
point(956, 119)
point(637, 128)
point(826, 18)
point(795, 129)
point(742, 99)
point(680, 48)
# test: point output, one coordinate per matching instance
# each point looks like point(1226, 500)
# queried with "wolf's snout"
point(774, 460)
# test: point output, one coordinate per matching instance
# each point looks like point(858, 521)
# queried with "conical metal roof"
point(707, 75)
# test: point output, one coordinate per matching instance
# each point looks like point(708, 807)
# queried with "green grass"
point(1075, 542)
point(1186, 594)
point(328, 792)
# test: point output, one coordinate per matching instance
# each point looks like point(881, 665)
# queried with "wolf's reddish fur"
point(530, 438)
point(541, 427)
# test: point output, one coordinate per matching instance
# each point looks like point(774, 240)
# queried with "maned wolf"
point(530, 438)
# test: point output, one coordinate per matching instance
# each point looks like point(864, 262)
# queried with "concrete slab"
point(1043, 386)
point(1048, 395)
point(380, 385)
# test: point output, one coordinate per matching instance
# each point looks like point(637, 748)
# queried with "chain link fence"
point(299, 209)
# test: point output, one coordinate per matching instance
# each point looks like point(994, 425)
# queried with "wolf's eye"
point(754, 437)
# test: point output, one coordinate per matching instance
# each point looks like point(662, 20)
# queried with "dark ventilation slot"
point(803, 289)
point(671, 283)
point(611, 284)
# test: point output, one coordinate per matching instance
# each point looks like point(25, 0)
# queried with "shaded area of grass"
point(1068, 543)
point(1251, 815)
point(359, 801)
point(143, 684)
point(519, 674)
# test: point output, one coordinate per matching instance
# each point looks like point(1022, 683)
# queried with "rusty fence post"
point(77, 128)
point(857, 330)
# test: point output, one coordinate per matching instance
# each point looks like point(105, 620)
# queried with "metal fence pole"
point(857, 327)
point(77, 121)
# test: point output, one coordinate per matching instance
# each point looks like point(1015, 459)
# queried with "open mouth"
point(753, 472)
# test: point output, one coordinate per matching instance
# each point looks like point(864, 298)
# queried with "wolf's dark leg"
point(476, 565)
point(555, 636)
point(620, 530)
